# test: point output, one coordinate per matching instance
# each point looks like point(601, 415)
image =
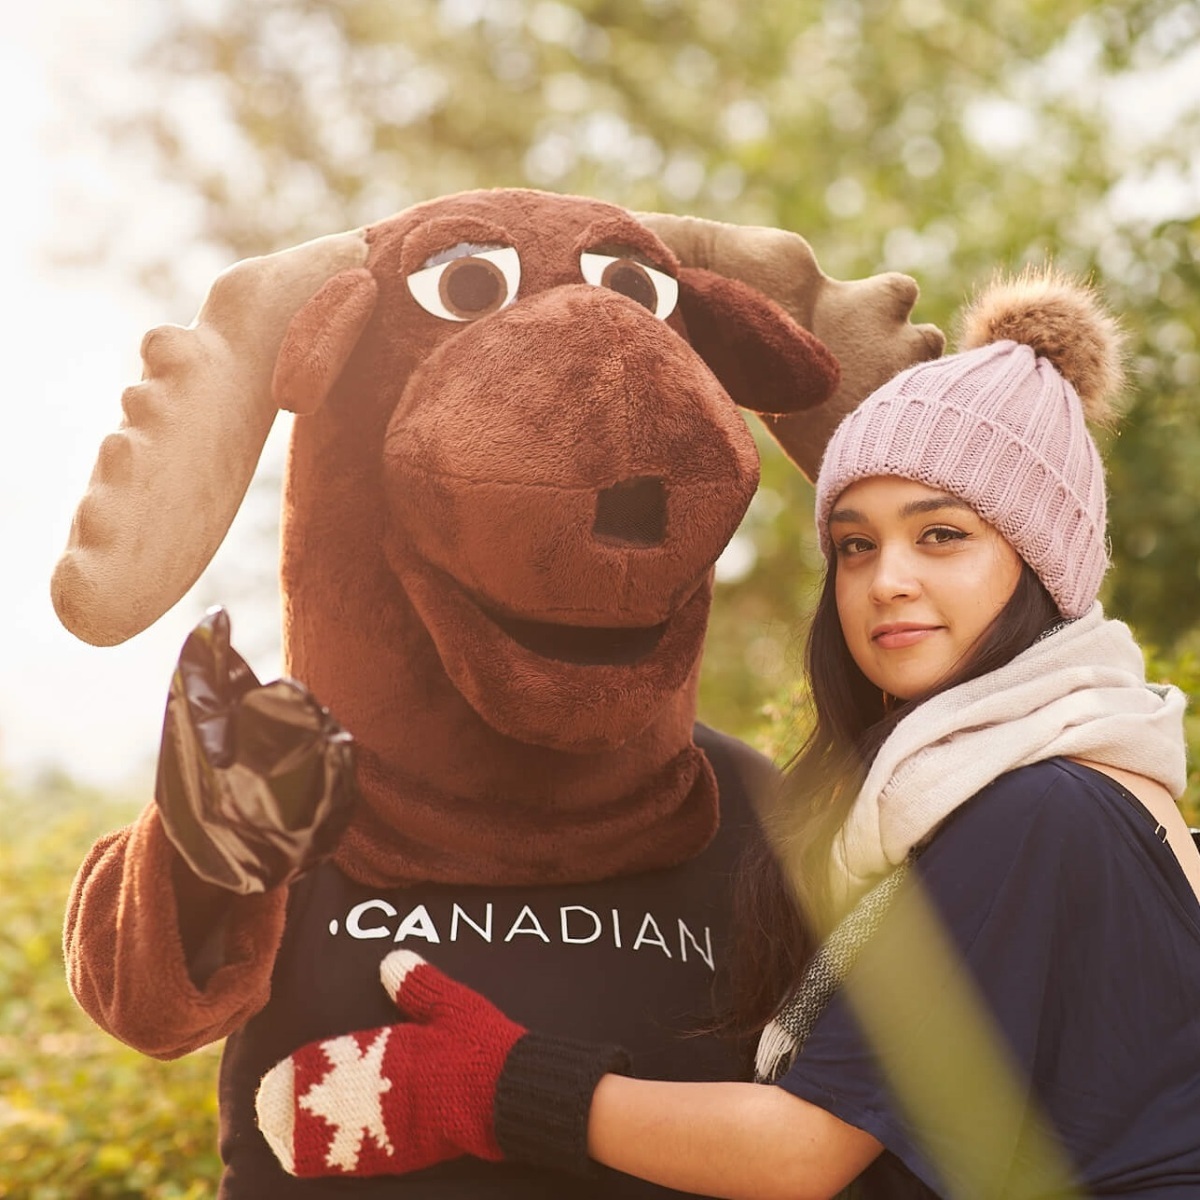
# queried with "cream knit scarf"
point(1079, 692)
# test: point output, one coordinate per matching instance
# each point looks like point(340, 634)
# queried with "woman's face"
point(919, 577)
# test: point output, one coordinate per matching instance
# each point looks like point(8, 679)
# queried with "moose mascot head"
point(517, 455)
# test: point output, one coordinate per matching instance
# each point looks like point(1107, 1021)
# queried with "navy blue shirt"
point(1079, 936)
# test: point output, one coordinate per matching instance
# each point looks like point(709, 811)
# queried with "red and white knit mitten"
point(459, 1078)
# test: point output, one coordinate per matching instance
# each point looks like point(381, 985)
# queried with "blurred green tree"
point(942, 140)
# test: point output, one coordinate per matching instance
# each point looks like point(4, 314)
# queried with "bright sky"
point(71, 346)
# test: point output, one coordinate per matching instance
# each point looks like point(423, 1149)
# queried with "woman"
point(1008, 999)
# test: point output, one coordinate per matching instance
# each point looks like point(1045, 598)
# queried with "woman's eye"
point(851, 546)
point(939, 535)
point(652, 289)
point(468, 286)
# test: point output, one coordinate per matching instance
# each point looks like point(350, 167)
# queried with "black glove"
point(255, 782)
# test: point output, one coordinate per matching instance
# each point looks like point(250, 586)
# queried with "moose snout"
point(589, 467)
point(632, 512)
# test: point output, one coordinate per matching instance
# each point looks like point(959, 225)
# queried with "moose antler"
point(864, 322)
point(167, 485)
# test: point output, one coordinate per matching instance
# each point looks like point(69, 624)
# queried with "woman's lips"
point(897, 637)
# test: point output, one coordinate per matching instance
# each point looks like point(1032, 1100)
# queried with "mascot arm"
point(126, 961)
point(174, 922)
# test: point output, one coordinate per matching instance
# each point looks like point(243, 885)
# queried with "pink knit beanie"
point(1001, 425)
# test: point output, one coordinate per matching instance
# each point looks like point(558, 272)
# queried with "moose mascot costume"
point(517, 456)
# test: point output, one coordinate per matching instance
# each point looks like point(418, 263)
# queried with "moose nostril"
point(633, 511)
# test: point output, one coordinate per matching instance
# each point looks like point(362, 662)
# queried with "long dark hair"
point(783, 904)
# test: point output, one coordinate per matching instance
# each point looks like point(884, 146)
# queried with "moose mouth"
point(580, 688)
point(582, 645)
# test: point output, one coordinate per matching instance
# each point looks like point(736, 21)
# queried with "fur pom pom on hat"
point(1002, 425)
point(1059, 320)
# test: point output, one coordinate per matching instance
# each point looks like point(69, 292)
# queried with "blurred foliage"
point(944, 141)
point(81, 1116)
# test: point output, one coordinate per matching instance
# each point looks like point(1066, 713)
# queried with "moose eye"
point(651, 288)
point(473, 283)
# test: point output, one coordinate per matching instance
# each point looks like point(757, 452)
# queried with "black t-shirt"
point(1079, 936)
point(635, 960)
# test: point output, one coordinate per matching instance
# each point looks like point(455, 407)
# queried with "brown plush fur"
point(125, 960)
point(451, 478)
point(320, 340)
point(1062, 320)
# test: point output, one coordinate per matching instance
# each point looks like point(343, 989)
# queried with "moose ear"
point(764, 360)
point(320, 338)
